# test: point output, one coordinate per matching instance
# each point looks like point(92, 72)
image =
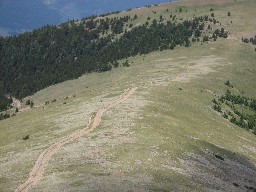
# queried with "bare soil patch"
point(197, 67)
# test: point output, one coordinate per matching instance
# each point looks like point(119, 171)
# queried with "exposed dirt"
point(16, 103)
point(24, 109)
point(197, 67)
point(38, 170)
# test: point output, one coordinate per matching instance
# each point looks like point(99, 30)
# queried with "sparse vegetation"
point(233, 109)
point(251, 40)
point(220, 33)
point(4, 116)
point(251, 188)
point(30, 103)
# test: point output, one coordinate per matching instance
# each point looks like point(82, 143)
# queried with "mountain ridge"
point(21, 16)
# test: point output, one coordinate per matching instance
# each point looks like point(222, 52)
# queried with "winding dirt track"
point(38, 170)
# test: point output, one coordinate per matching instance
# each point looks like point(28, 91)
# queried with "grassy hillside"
point(165, 137)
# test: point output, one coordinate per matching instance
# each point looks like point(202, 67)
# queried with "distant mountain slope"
point(81, 8)
point(19, 16)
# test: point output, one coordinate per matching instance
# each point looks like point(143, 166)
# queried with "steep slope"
point(165, 137)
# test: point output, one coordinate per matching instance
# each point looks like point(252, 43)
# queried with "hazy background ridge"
point(18, 16)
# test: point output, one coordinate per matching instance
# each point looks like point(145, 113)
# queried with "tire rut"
point(37, 171)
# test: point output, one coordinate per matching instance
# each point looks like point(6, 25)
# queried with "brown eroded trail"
point(38, 170)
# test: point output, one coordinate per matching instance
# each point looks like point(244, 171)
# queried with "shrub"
point(31, 104)
point(214, 101)
point(228, 84)
point(246, 40)
point(4, 116)
point(28, 102)
point(217, 108)
point(219, 156)
point(205, 38)
point(25, 137)
point(126, 64)
point(225, 115)
point(235, 184)
point(115, 64)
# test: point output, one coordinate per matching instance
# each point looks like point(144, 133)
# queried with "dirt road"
point(38, 170)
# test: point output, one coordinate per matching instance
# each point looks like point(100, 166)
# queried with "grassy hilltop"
point(166, 136)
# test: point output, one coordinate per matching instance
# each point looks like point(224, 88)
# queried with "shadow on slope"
point(215, 168)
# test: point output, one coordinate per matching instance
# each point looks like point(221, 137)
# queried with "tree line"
point(52, 54)
point(233, 109)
